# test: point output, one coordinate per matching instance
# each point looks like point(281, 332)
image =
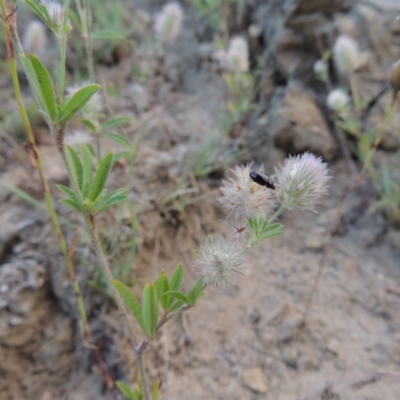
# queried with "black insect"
point(262, 179)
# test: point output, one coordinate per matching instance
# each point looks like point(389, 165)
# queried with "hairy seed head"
point(243, 198)
point(219, 261)
point(168, 22)
point(346, 54)
point(238, 55)
point(35, 39)
point(301, 181)
point(337, 100)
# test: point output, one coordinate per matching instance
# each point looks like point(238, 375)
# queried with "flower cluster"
point(168, 22)
point(346, 54)
point(56, 14)
point(251, 196)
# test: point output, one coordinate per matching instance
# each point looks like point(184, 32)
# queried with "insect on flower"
point(262, 179)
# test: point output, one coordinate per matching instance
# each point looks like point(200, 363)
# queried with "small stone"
point(253, 378)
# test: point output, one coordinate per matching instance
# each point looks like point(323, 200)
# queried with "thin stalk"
point(357, 180)
point(120, 303)
point(85, 17)
point(276, 215)
point(354, 92)
point(62, 37)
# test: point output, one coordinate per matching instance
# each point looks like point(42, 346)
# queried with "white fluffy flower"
point(301, 181)
point(35, 39)
point(168, 22)
point(243, 198)
point(337, 100)
point(77, 138)
point(219, 261)
point(346, 54)
point(238, 55)
point(56, 13)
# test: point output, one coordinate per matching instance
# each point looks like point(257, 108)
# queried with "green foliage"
point(388, 189)
point(76, 103)
point(261, 230)
point(91, 196)
point(165, 293)
point(137, 392)
point(56, 115)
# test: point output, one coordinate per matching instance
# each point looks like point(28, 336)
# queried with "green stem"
point(85, 17)
point(62, 37)
point(119, 301)
point(276, 215)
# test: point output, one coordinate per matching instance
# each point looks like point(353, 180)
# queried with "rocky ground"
point(251, 342)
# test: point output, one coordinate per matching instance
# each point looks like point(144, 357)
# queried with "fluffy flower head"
point(56, 13)
point(77, 138)
point(301, 181)
point(219, 261)
point(243, 198)
point(337, 100)
point(238, 55)
point(35, 39)
point(168, 22)
point(346, 54)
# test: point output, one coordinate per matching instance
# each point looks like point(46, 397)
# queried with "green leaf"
point(115, 121)
point(150, 310)
point(121, 154)
point(119, 139)
point(176, 278)
point(160, 284)
point(46, 86)
point(131, 301)
point(113, 198)
point(68, 192)
point(71, 203)
point(35, 86)
point(127, 391)
point(87, 170)
point(41, 12)
point(195, 293)
point(176, 306)
point(75, 165)
point(165, 300)
point(177, 295)
point(101, 176)
point(77, 102)
point(106, 35)
point(89, 124)
point(89, 206)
